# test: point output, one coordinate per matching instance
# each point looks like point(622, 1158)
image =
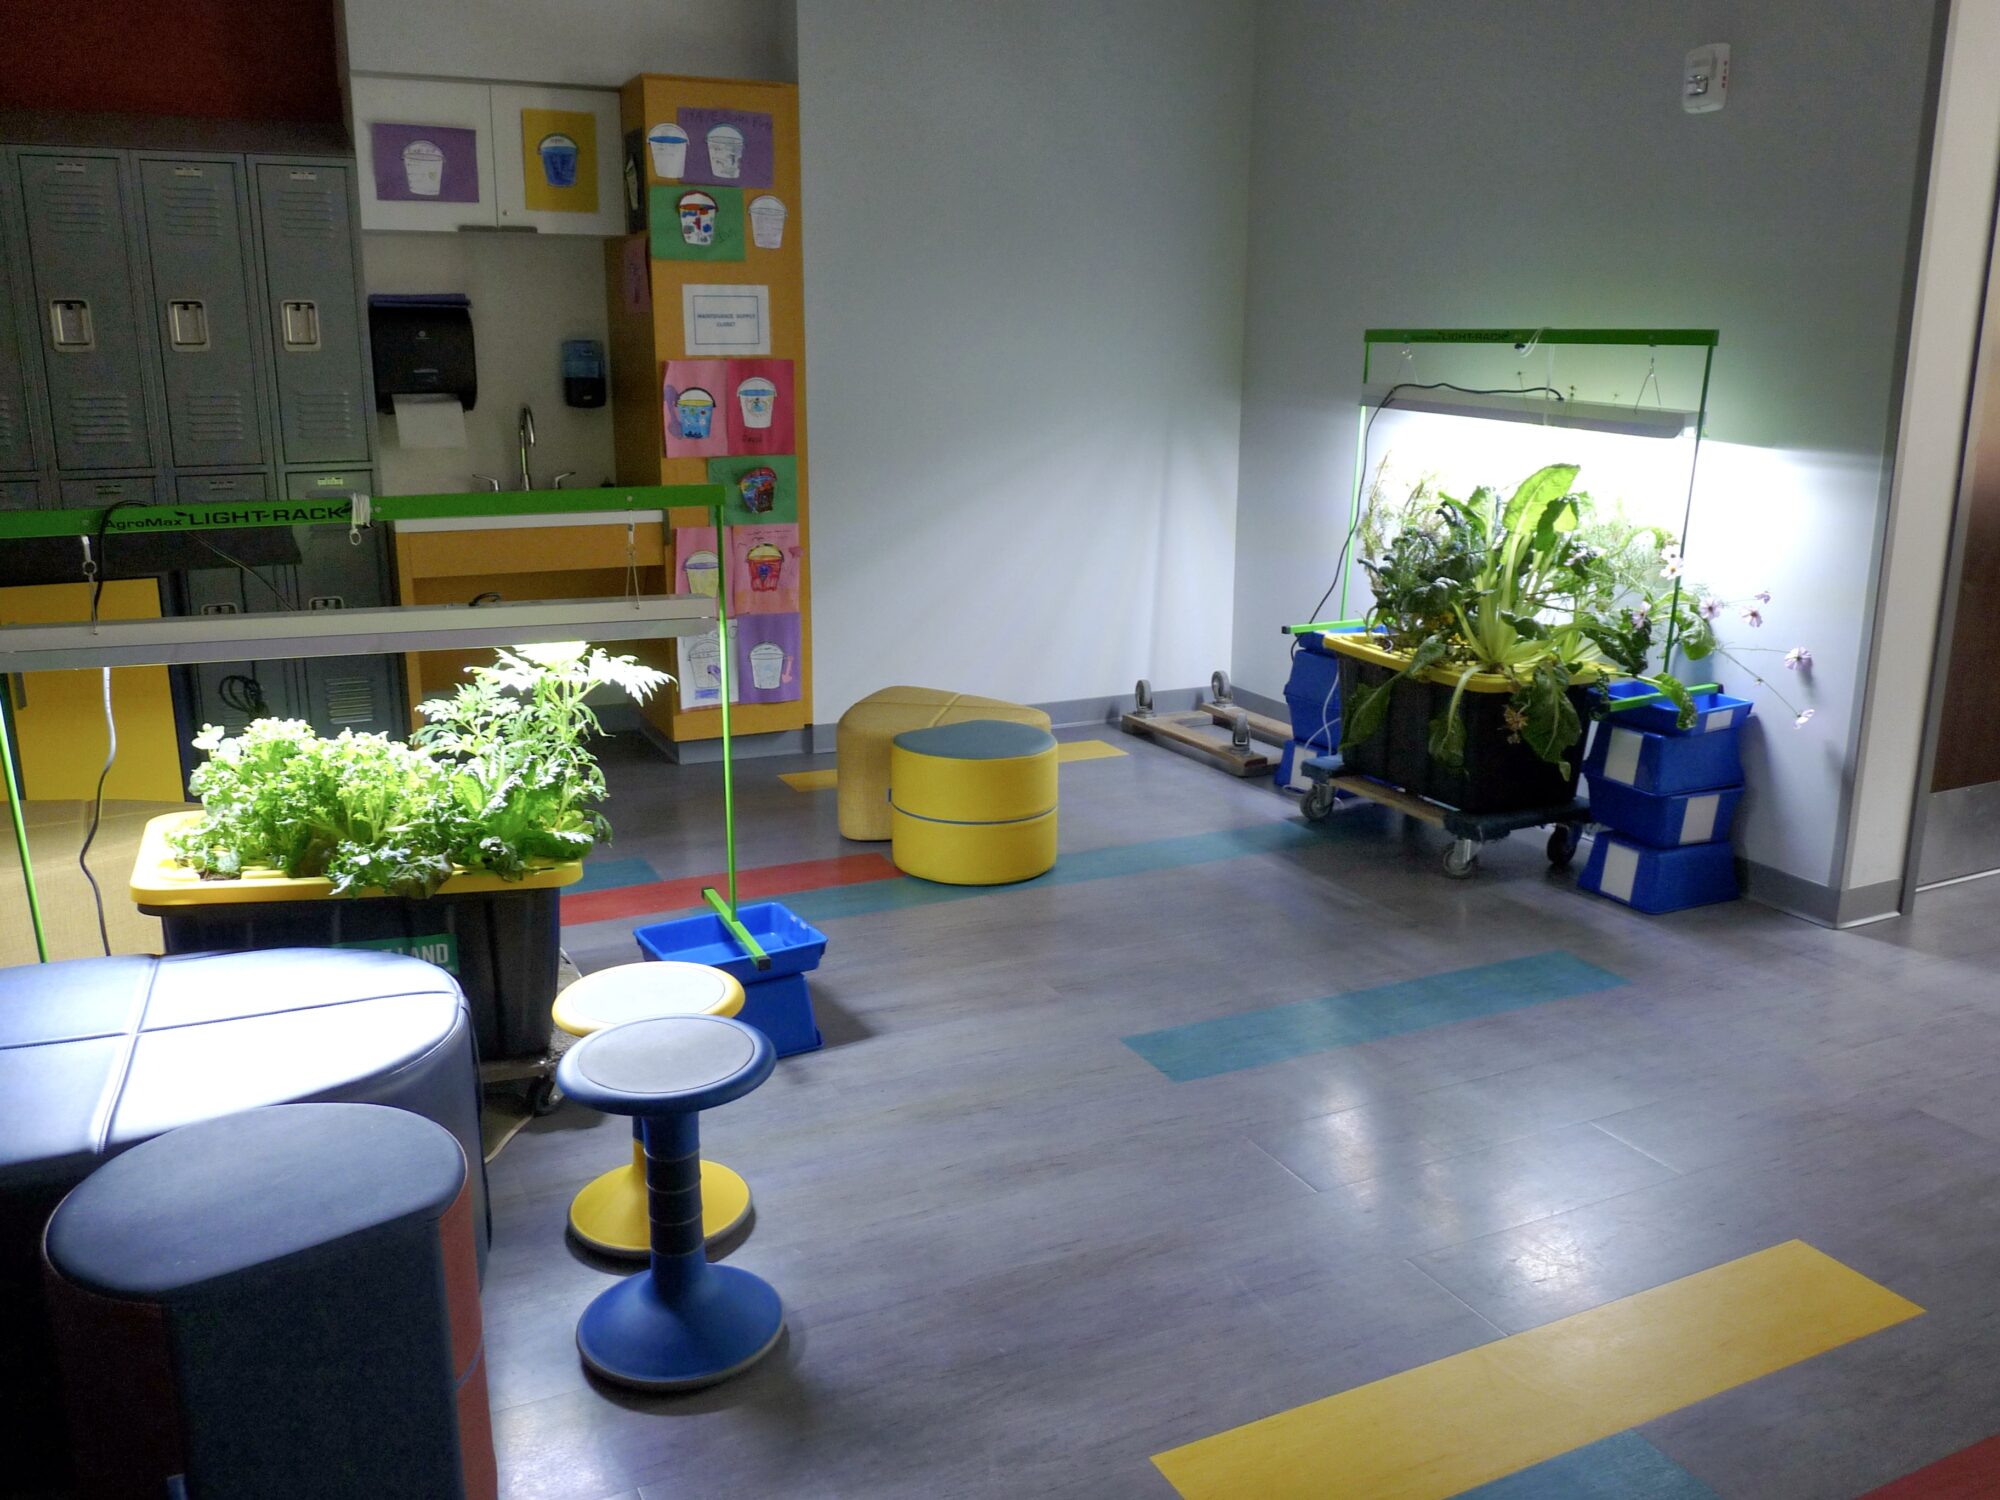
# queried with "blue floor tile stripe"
point(609, 874)
point(1625, 1467)
point(1202, 1049)
point(1071, 869)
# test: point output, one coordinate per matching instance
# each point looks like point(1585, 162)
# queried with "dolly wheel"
point(1218, 686)
point(1318, 803)
point(1461, 860)
point(1142, 697)
point(1563, 839)
point(545, 1097)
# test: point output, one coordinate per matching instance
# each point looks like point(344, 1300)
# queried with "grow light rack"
point(186, 639)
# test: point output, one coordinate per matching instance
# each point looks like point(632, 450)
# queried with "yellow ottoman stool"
point(973, 803)
point(609, 1214)
point(864, 734)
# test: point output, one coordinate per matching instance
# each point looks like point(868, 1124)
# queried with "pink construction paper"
point(765, 563)
point(688, 389)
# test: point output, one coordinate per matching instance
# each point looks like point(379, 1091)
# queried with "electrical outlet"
point(1705, 79)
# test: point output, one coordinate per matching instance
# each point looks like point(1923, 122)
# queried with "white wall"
point(1952, 277)
point(530, 292)
point(1459, 163)
point(1024, 271)
point(600, 42)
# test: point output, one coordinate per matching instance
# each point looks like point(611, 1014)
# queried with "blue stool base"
point(723, 1324)
point(782, 1009)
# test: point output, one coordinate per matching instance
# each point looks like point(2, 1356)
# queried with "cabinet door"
point(308, 239)
point(198, 239)
point(559, 159)
point(17, 442)
point(84, 298)
point(424, 153)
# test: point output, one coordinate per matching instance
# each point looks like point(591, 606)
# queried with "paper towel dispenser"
point(423, 347)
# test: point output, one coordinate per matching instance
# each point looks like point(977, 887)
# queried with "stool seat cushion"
point(867, 728)
point(641, 991)
point(669, 1065)
point(218, 1198)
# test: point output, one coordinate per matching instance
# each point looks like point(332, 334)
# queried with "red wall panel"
point(228, 59)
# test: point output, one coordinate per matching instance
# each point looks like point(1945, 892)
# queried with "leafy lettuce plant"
point(499, 778)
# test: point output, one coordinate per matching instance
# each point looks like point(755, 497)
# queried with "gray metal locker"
point(82, 494)
point(362, 693)
point(233, 693)
point(20, 494)
point(253, 486)
point(198, 241)
point(92, 358)
point(315, 320)
point(17, 439)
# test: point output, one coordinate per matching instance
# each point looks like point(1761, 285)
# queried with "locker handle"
point(301, 325)
point(69, 324)
point(187, 323)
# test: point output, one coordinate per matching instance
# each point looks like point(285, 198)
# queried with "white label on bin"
point(1621, 868)
point(1698, 818)
point(1621, 756)
point(1722, 718)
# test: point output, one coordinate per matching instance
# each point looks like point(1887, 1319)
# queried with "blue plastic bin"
point(1664, 822)
point(1291, 770)
point(1713, 712)
point(1666, 763)
point(1659, 880)
point(1313, 694)
point(775, 1000)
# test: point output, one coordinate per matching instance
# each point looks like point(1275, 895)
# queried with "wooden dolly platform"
point(1195, 730)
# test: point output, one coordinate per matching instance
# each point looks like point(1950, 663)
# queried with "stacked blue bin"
point(1312, 694)
point(1666, 797)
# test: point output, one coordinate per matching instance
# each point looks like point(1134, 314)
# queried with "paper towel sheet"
point(429, 421)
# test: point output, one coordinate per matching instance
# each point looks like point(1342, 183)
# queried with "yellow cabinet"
point(59, 716)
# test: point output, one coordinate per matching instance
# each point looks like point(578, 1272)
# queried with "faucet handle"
point(489, 481)
point(556, 484)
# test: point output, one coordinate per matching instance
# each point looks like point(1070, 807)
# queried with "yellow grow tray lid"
point(1362, 648)
point(158, 880)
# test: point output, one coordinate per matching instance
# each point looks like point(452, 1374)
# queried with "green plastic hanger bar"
point(727, 910)
point(19, 822)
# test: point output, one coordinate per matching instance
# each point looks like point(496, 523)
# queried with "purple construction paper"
point(460, 180)
point(752, 631)
point(756, 164)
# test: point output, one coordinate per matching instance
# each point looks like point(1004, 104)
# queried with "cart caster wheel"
point(1239, 730)
point(1461, 860)
point(1318, 803)
point(1218, 686)
point(1563, 840)
point(545, 1097)
point(1142, 697)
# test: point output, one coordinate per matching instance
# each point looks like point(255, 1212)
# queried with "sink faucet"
point(527, 435)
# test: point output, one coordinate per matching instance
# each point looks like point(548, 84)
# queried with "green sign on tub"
point(440, 949)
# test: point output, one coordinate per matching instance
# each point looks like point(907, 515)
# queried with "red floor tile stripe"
point(759, 884)
point(1969, 1474)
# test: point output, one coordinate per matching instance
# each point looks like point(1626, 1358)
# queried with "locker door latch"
point(187, 324)
point(301, 325)
point(69, 325)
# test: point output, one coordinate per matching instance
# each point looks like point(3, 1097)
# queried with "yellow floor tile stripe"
point(1443, 1428)
point(810, 781)
point(1066, 751)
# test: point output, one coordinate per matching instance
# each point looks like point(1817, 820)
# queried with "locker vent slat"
point(216, 418)
point(101, 417)
point(78, 207)
point(306, 213)
point(10, 421)
point(194, 212)
point(324, 415)
point(350, 700)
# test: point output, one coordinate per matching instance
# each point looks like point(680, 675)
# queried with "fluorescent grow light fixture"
point(1534, 410)
point(187, 639)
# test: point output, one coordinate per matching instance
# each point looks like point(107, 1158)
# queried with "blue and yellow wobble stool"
point(609, 1214)
point(973, 803)
point(682, 1322)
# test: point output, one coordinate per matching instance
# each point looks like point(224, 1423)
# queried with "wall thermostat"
point(1705, 79)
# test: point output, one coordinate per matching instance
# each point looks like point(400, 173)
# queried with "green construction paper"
point(785, 508)
point(664, 217)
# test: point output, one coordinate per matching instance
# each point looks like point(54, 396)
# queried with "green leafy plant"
point(499, 779)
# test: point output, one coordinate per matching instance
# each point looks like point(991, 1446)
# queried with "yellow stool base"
point(609, 1214)
point(973, 853)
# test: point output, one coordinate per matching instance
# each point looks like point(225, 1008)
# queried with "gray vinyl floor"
point(1017, 1261)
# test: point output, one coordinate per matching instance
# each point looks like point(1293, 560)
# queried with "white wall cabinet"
point(444, 154)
